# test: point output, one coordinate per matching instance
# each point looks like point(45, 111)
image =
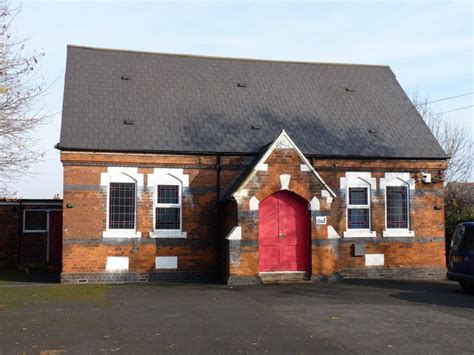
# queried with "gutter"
point(191, 152)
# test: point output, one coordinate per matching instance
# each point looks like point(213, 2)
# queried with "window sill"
point(168, 234)
point(359, 234)
point(121, 234)
point(398, 233)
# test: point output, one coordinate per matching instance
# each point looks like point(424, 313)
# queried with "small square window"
point(35, 221)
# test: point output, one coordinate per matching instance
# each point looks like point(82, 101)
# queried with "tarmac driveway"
point(350, 317)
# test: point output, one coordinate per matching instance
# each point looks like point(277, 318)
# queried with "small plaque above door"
point(321, 219)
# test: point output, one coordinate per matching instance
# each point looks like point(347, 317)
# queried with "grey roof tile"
point(183, 103)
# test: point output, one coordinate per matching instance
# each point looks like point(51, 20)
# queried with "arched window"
point(397, 204)
point(358, 186)
point(358, 207)
point(168, 185)
point(121, 183)
point(167, 204)
point(122, 198)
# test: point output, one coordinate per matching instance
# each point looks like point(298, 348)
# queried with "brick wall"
point(84, 249)
point(419, 256)
point(205, 251)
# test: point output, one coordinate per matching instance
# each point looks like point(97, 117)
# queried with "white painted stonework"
point(398, 233)
point(253, 204)
point(167, 176)
point(238, 195)
point(235, 233)
point(397, 179)
point(283, 143)
point(285, 181)
point(304, 167)
point(314, 204)
point(168, 234)
point(359, 233)
point(261, 167)
point(166, 262)
point(120, 233)
point(374, 259)
point(327, 195)
point(332, 234)
point(358, 179)
point(121, 174)
point(117, 263)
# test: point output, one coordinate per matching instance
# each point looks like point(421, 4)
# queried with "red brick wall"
point(424, 251)
point(85, 250)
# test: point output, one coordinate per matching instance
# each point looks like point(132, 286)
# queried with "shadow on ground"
point(14, 276)
point(438, 293)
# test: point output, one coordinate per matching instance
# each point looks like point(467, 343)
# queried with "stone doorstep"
point(285, 277)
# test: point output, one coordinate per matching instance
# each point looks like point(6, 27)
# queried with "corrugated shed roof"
point(193, 104)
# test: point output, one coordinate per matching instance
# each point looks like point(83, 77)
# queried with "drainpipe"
point(218, 179)
point(218, 220)
point(20, 231)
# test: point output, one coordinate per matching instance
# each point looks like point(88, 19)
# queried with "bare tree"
point(454, 139)
point(19, 91)
point(458, 144)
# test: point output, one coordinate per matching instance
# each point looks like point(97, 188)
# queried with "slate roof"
point(193, 104)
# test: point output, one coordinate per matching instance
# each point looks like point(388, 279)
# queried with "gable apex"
point(283, 141)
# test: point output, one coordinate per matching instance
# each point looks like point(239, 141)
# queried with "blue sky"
point(428, 44)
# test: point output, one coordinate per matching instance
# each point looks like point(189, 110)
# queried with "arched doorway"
point(283, 229)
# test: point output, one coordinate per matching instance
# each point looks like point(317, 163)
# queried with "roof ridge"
point(223, 58)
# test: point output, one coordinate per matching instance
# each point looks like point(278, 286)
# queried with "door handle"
point(282, 235)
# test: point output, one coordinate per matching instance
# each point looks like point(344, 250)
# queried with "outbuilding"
point(30, 233)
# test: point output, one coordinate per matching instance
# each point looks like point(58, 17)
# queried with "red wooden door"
point(283, 233)
point(55, 238)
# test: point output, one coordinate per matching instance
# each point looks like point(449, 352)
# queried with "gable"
point(293, 159)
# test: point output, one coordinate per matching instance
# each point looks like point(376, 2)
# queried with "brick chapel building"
point(197, 168)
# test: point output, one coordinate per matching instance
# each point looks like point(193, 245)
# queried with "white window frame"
point(358, 180)
point(170, 177)
point(36, 230)
point(121, 175)
point(349, 207)
point(168, 180)
point(399, 232)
